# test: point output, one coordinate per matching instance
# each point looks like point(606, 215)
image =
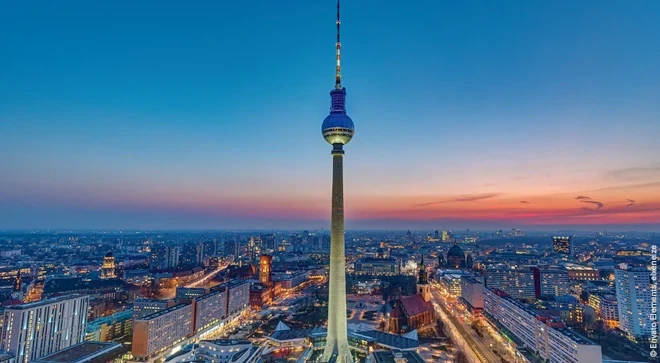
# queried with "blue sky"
point(207, 114)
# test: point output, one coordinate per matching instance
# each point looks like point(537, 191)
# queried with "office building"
point(581, 273)
point(386, 266)
point(549, 339)
point(210, 309)
point(518, 282)
point(606, 308)
point(109, 328)
point(31, 331)
point(472, 292)
point(562, 245)
point(155, 333)
point(633, 294)
point(187, 294)
point(551, 282)
point(452, 283)
point(144, 307)
point(238, 296)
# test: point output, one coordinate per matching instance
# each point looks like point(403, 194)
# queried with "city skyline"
point(546, 120)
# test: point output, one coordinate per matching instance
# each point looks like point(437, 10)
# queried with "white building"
point(633, 294)
point(515, 281)
point(157, 332)
point(144, 307)
point(551, 340)
point(238, 297)
point(218, 351)
point(554, 282)
point(472, 291)
point(31, 331)
point(210, 310)
point(452, 283)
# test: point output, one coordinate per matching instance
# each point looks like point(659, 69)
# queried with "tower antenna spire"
point(338, 66)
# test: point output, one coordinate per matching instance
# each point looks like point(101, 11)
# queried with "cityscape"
point(169, 197)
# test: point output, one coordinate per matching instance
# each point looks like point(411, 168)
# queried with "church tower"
point(423, 287)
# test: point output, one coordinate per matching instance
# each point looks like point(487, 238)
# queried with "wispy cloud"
point(581, 197)
point(645, 173)
point(598, 204)
point(525, 202)
point(463, 198)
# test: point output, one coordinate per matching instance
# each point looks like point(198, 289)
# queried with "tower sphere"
point(338, 128)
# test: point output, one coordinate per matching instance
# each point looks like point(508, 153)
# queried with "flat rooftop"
point(83, 352)
point(162, 312)
point(388, 356)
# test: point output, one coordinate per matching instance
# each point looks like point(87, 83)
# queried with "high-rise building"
point(562, 245)
point(158, 332)
point(517, 282)
point(549, 339)
point(472, 291)
point(633, 295)
point(144, 307)
point(108, 267)
point(210, 309)
point(191, 255)
point(338, 129)
point(31, 331)
point(550, 281)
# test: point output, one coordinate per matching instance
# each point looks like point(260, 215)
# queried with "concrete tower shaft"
point(337, 338)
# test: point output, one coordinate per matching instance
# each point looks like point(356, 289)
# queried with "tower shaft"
point(337, 338)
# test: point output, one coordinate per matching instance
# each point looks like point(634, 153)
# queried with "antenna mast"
point(338, 70)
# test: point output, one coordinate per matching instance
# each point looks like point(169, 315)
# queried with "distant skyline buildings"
point(121, 119)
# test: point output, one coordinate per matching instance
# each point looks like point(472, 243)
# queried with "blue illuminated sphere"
point(338, 128)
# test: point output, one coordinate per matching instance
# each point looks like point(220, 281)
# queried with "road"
point(168, 293)
point(477, 350)
point(490, 339)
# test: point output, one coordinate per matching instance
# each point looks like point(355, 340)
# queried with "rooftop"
point(387, 356)
point(82, 352)
point(162, 312)
point(44, 302)
point(579, 339)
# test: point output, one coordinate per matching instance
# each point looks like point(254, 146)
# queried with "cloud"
point(525, 202)
point(648, 173)
point(599, 204)
point(581, 197)
point(463, 198)
point(631, 202)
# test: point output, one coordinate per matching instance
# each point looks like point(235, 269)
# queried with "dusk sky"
point(207, 114)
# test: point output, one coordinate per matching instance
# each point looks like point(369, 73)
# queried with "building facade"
point(633, 294)
point(517, 282)
point(158, 332)
point(472, 292)
point(31, 331)
point(210, 309)
point(144, 307)
point(562, 245)
point(551, 340)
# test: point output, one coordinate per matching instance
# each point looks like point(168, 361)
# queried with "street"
point(460, 321)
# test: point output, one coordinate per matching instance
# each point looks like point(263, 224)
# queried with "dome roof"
point(456, 251)
point(109, 254)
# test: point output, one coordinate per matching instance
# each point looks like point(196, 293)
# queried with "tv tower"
point(337, 129)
